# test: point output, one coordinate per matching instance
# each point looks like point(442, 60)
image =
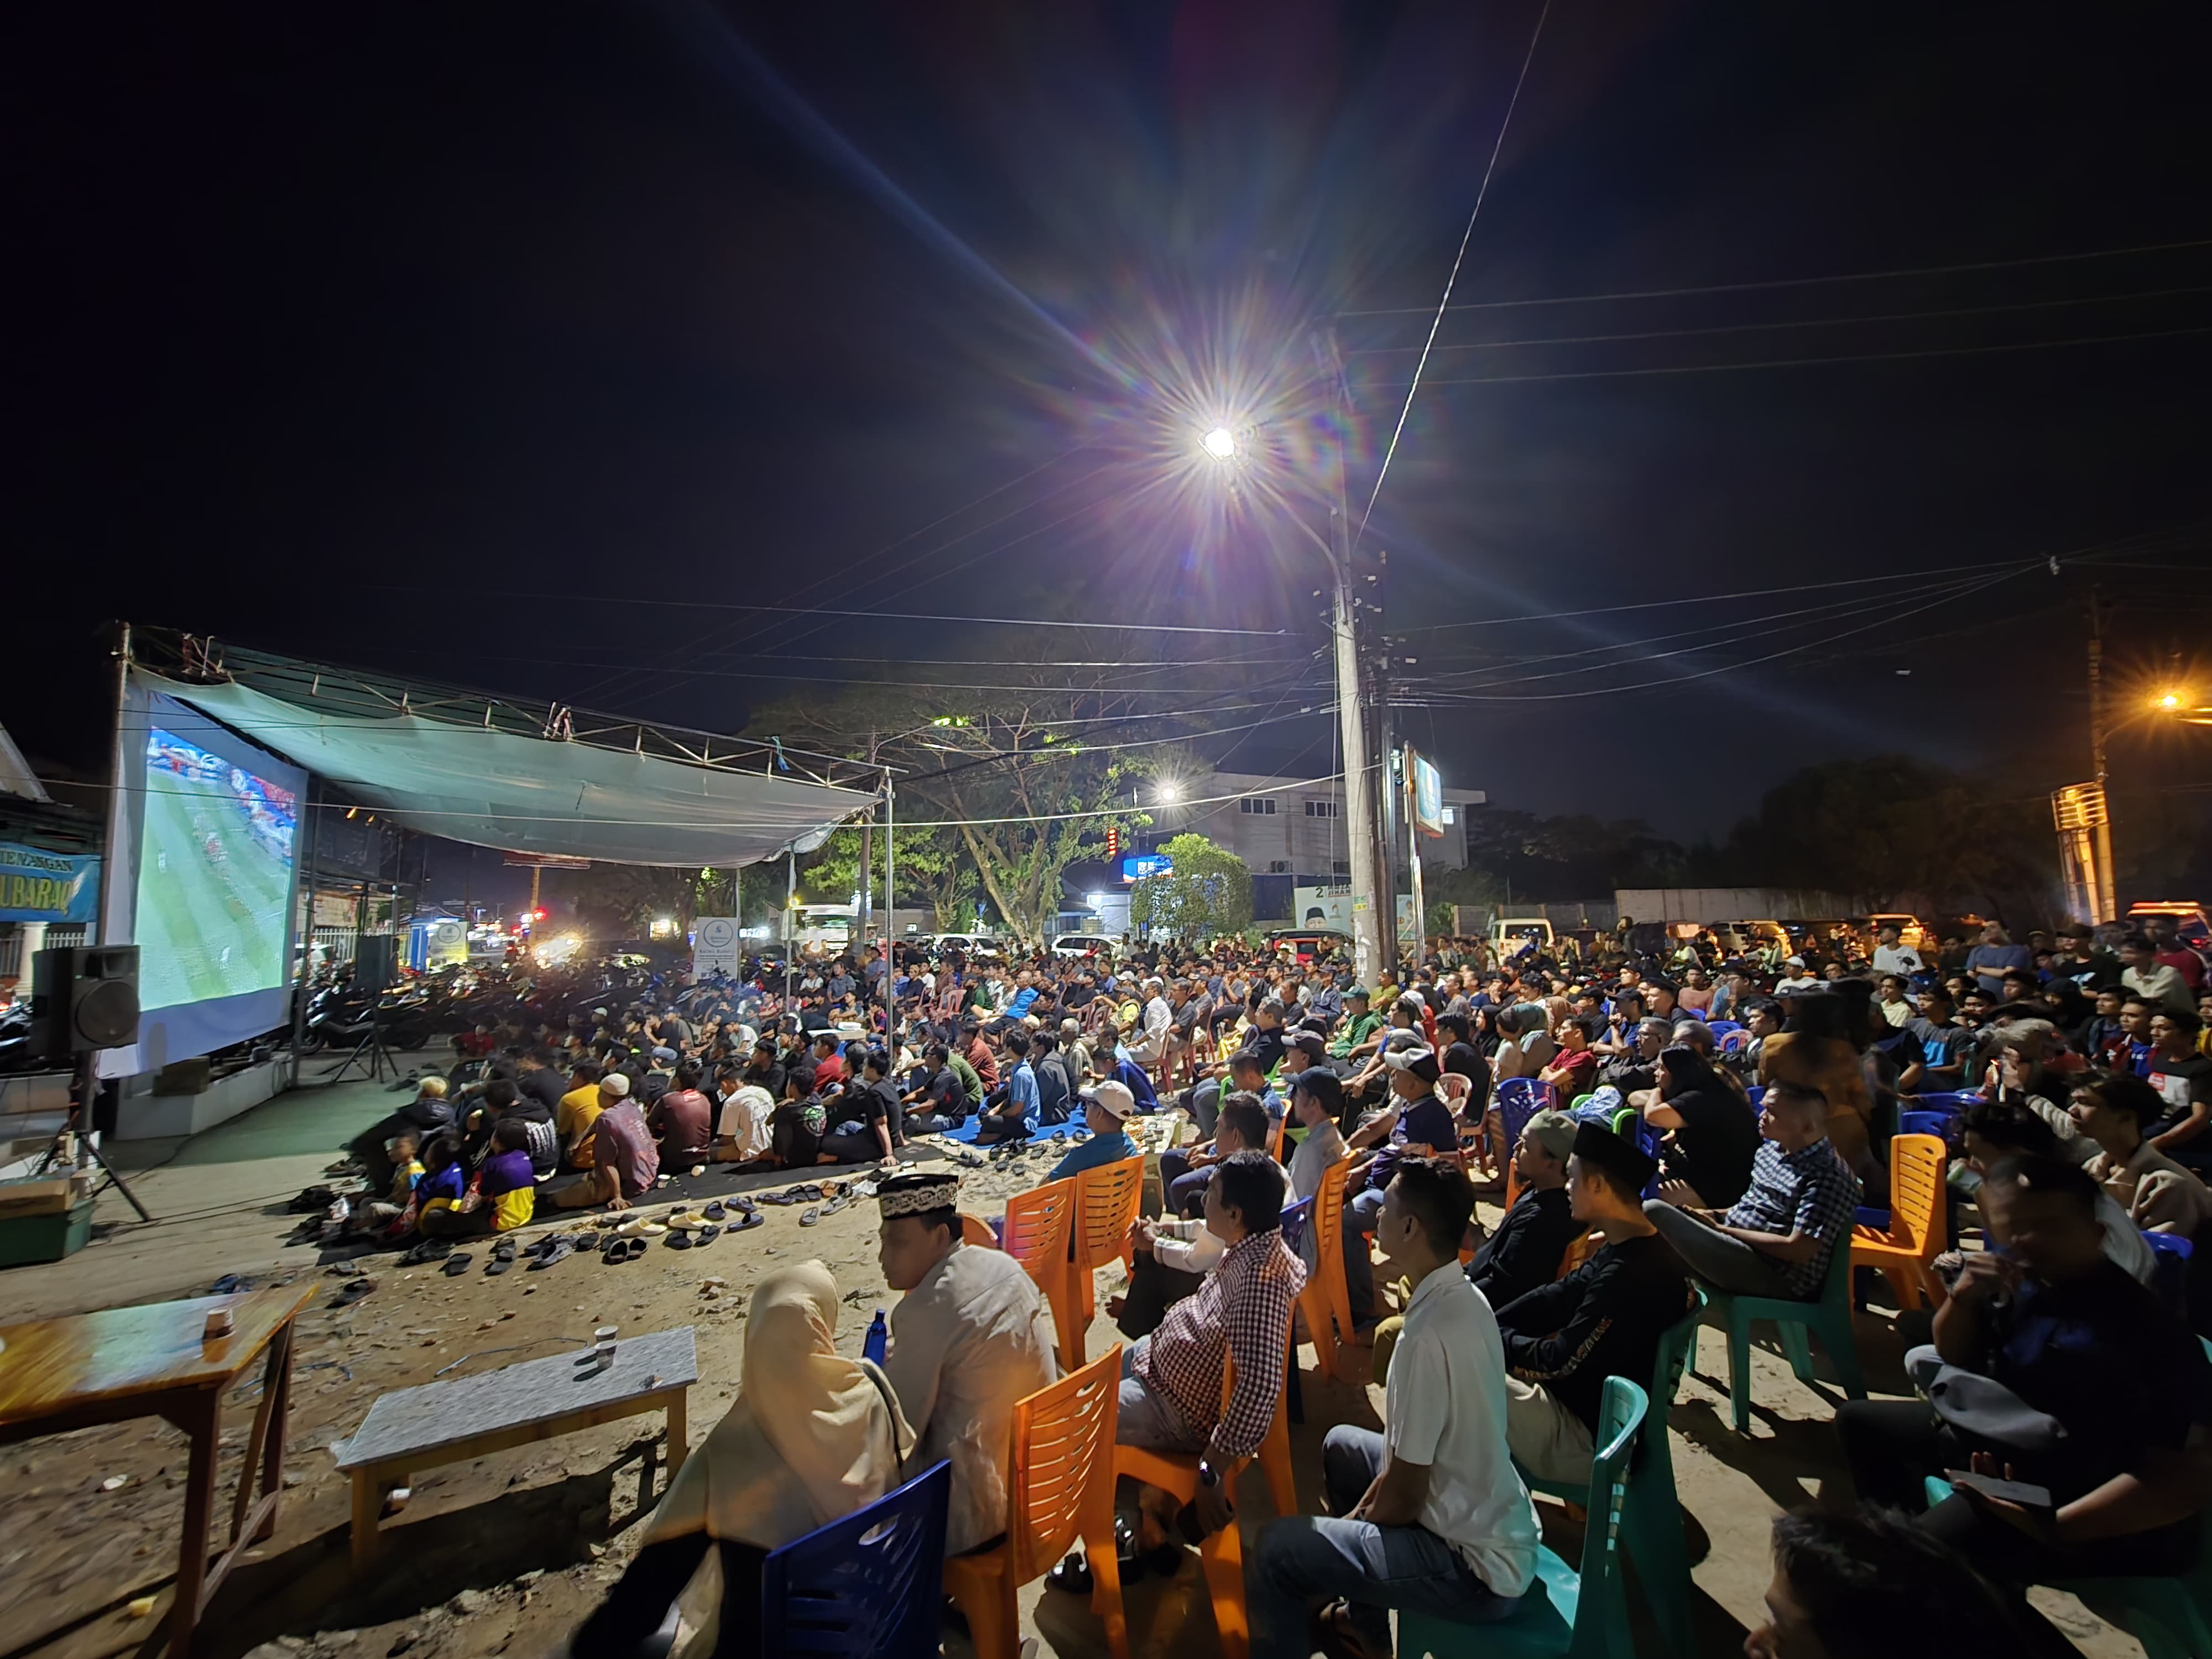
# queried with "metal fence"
point(59, 936)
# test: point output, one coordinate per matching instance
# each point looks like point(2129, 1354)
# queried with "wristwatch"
point(1207, 1474)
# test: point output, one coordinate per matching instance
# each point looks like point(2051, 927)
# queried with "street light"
point(1169, 793)
point(1220, 443)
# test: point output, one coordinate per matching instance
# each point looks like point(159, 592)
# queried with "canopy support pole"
point(790, 897)
point(891, 909)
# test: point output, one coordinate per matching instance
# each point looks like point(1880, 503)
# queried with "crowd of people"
point(1720, 1128)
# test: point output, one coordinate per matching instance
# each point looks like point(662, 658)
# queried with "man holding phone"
point(2091, 1454)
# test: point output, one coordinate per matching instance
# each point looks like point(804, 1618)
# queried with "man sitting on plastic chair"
point(1429, 1514)
point(1241, 1313)
point(1776, 1240)
point(2053, 1368)
point(1605, 1319)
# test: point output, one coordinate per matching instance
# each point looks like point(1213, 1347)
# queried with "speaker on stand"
point(84, 998)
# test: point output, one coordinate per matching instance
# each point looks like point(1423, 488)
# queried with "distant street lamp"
point(1168, 792)
point(1220, 443)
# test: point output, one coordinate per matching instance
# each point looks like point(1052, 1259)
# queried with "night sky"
point(481, 341)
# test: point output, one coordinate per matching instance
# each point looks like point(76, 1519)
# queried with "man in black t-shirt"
point(1532, 1240)
point(875, 1105)
point(2122, 1387)
point(1606, 1318)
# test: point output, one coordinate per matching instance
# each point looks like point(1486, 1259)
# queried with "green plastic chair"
point(1829, 1318)
point(1581, 1616)
point(2172, 1618)
point(1652, 1519)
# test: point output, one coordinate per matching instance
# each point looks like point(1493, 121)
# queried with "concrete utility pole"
point(2107, 904)
point(1373, 909)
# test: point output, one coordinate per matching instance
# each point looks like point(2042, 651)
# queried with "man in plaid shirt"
point(1172, 1380)
point(1780, 1235)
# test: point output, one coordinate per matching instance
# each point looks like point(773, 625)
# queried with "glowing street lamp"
point(1220, 443)
point(2168, 701)
point(1168, 792)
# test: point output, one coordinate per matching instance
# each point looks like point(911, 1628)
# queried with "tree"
point(622, 901)
point(932, 867)
point(1027, 778)
point(1207, 892)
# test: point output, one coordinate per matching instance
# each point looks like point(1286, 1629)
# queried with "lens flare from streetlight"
point(1220, 443)
point(2169, 700)
point(1170, 792)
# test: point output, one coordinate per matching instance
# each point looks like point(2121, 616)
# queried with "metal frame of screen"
point(188, 1028)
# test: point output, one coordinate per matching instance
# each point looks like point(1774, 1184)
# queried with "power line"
point(1810, 362)
point(1794, 281)
point(1444, 304)
point(1729, 668)
point(870, 616)
point(1810, 322)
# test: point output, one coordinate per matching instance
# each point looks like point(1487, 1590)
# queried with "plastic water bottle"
point(880, 1340)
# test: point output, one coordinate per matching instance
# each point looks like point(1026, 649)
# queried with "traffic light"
point(1113, 841)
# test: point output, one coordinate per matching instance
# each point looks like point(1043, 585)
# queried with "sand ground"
point(504, 1554)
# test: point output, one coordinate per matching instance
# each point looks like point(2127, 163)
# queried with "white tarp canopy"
point(531, 795)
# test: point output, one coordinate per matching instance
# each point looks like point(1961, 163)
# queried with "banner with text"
point(36, 885)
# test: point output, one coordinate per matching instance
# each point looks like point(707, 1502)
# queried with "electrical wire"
point(1796, 282)
point(1809, 322)
point(1726, 668)
point(1811, 362)
point(870, 616)
point(1451, 280)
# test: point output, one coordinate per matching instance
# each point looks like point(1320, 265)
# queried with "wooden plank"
point(55, 1367)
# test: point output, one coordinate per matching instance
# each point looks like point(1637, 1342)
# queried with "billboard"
point(36, 885)
point(1140, 865)
point(1428, 789)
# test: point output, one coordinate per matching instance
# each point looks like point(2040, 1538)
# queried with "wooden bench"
point(441, 1423)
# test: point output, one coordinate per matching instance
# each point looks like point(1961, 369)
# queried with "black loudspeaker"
point(84, 997)
point(374, 965)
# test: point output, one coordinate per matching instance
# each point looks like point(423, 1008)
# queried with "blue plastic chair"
point(1519, 1099)
point(1953, 1100)
point(1794, 1322)
point(1581, 1615)
point(1651, 1523)
point(871, 1586)
point(2170, 1272)
point(1721, 1028)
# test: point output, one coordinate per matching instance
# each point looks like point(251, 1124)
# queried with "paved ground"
point(505, 1554)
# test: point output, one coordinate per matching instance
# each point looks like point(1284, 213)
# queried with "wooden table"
point(440, 1423)
point(57, 1375)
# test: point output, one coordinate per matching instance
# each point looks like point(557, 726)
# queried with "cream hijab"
point(811, 1435)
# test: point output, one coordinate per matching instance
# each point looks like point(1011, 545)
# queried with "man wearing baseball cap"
point(1106, 1107)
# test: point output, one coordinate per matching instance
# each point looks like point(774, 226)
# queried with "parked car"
point(972, 944)
point(1305, 944)
point(1081, 945)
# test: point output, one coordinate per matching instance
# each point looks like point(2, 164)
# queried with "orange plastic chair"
point(1275, 1136)
point(1106, 1202)
point(1060, 1488)
point(1038, 1226)
point(1326, 1301)
point(1221, 1556)
point(1915, 1238)
point(974, 1230)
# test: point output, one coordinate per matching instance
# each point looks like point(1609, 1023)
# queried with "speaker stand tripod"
point(80, 1087)
point(370, 1053)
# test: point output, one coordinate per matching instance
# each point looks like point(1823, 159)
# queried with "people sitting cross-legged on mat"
point(872, 1120)
point(502, 1196)
point(1429, 1514)
point(2050, 1367)
point(625, 1163)
point(1607, 1318)
point(810, 1437)
point(1014, 1115)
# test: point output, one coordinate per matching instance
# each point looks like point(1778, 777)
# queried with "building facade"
point(1292, 827)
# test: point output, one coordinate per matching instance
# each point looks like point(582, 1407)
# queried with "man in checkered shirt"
point(1241, 1315)
point(1780, 1235)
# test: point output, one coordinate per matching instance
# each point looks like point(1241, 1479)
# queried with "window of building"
point(1257, 806)
point(1324, 809)
point(1341, 867)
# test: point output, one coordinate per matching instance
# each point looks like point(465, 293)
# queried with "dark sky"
point(469, 340)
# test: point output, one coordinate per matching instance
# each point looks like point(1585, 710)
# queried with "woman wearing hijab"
point(1712, 1133)
point(810, 1437)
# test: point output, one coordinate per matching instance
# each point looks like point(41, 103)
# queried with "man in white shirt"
point(1891, 957)
point(1429, 1515)
point(1795, 978)
point(971, 1337)
point(1150, 1050)
point(741, 1123)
